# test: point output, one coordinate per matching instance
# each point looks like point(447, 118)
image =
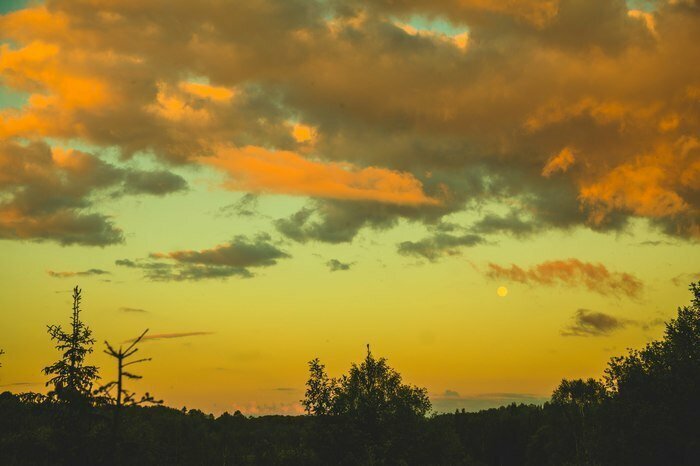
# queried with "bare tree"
point(124, 397)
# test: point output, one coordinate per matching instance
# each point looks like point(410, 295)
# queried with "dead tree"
point(124, 397)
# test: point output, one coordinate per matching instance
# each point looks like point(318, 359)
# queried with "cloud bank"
point(578, 113)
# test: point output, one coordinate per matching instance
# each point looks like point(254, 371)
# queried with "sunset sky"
point(494, 194)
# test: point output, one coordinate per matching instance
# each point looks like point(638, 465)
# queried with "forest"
point(644, 410)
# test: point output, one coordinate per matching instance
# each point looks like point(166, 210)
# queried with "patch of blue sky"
point(10, 98)
point(643, 5)
point(7, 6)
point(435, 24)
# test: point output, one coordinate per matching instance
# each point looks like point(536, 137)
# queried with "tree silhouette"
point(656, 388)
point(71, 378)
point(365, 415)
point(124, 397)
point(372, 390)
point(320, 391)
point(375, 390)
point(577, 400)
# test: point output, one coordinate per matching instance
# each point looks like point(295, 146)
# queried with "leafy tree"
point(72, 379)
point(655, 391)
point(371, 390)
point(578, 400)
point(320, 390)
point(374, 391)
point(366, 416)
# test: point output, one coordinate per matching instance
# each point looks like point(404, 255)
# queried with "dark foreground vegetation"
point(645, 410)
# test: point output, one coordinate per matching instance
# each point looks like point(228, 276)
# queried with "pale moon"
point(502, 291)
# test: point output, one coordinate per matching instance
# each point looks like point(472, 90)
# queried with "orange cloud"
point(647, 186)
point(40, 68)
point(602, 111)
point(560, 162)
point(571, 272)
point(58, 89)
point(303, 133)
point(532, 80)
point(29, 23)
point(257, 169)
point(173, 106)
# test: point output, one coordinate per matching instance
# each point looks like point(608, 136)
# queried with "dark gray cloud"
point(512, 223)
point(83, 273)
point(227, 260)
point(657, 243)
point(246, 206)
point(340, 221)
point(157, 183)
point(133, 310)
point(588, 323)
point(335, 265)
point(439, 245)
point(47, 193)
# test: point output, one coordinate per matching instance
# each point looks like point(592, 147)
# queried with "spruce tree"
point(71, 378)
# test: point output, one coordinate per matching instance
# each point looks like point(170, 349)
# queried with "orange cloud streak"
point(571, 272)
point(284, 172)
point(560, 162)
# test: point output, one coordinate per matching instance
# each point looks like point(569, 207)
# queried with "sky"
point(495, 195)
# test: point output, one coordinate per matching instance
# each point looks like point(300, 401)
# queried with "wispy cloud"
point(133, 310)
point(684, 279)
point(19, 384)
point(169, 336)
point(246, 206)
point(83, 273)
point(594, 324)
point(447, 240)
point(573, 273)
point(227, 260)
point(587, 323)
point(335, 265)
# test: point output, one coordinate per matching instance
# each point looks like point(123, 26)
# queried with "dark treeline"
point(644, 410)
